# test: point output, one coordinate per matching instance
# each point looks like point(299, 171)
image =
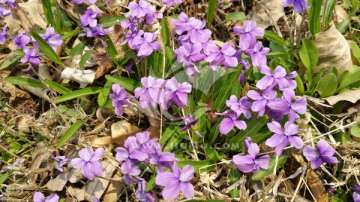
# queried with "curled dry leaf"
point(11, 89)
point(334, 51)
point(114, 189)
point(317, 187)
point(351, 96)
point(267, 12)
point(341, 14)
point(83, 77)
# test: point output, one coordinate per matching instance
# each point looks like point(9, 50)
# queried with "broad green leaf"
point(300, 85)
point(343, 137)
point(58, 87)
point(103, 96)
point(199, 166)
point(271, 36)
point(10, 61)
point(4, 177)
point(225, 92)
point(151, 183)
point(355, 50)
point(169, 131)
point(78, 93)
point(327, 85)
point(355, 130)
point(343, 26)
point(69, 133)
point(212, 4)
point(309, 54)
point(78, 49)
point(70, 34)
point(351, 78)
point(263, 173)
point(165, 36)
point(46, 48)
point(236, 16)
point(314, 17)
point(109, 21)
point(176, 138)
point(127, 83)
point(23, 81)
point(329, 7)
point(48, 13)
point(84, 58)
point(212, 154)
point(111, 50)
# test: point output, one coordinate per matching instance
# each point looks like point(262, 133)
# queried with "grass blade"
point(10, 61)
point(211, 11)
point(23, 81)
point(78, 94)
point(46, 49)
point(57, 87)
point(69, 133)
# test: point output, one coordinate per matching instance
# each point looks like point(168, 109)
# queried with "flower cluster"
point(89, 23)
point(60, 162)
point(162, 92)
point(140, 17)
point(6, 6)
point(142, 149)
point(30, 48)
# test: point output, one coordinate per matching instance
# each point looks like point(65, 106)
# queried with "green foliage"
point(57, 87)
point(78, 94)
point(329, 8)
point(84, 59)
point(23, 81)
point(309, 55)
point(127, 83)
point(46, 48)
point(264, 173)
point(314, 17)
point(69, 133)
point(355, 130)
point(236, 16)
point(211, 11)
point(47, 11)
point(327, 86)
point(109, 21)
point(10, 61)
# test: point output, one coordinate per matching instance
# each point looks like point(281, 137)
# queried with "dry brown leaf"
point(31, 15)
point(316, 187)
point(334, 51)
point(267, 12)
point(341, 14)
point(102, 59)
point(351, 96)
point(114, 189)
point(40, 155)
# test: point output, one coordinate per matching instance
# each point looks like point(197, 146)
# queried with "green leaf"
point(169, 131)
point(70, 132)
point(225, 92)
point(314, 17)
point(199, 166)
point(234, 176)
point(263, 173)
point(84, 58)
point(351, 78)
point(300, 85)
point(212, 154)
point(212, 4)
point(23, 81)
point(58, 28)
point(330, 5)
point(111, 50)
point(343, 26)
point(4, 177)
point(46, 48)
point(165, 36)
point(309, 55)
point(327, 85)
point(355, 130)
point(343, 138)
point(355, 50)
point(176, 138)
point(70, 34)
point(47, 11)
point(78, 49)
point(109, 21)
point(10, 61)
point(78, 93)
point(127, 83)
point(271, 36)
point(59, 88)
point(151, 183)
point(235, 16)
point(103, 96)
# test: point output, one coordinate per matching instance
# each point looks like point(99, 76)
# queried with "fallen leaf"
point(267, 12)
point(316, 187)
point(102, 59)
point(114, 189)
point(334, 51)
point(341, 14)
point(351, 96)
point(83, 77)
point(31, 15)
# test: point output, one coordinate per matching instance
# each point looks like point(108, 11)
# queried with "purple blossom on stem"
point(356, 187)
point(228, 123)
point(196, 32)
point(96, 32)
point(89, 17)
point(60, 162)
point(176, 92)
point(54, 40)
point(299, 5)
point(89, 162)
point(118, 98)
point(176, 181)
point(282, 138)
point(240, 106)
point(188, 54)
point(251, 162)
point(258, 54)
point(150, 94)
point(133, 38)
point(9, 2)
point(248, 34)
point(170, 3)
point(261, 100)
point(147, 45)
point(356, 197)
point(226, 57)
point(181, 25)
point(31, 55)
point(131, 174)
point(143, 9)
point(82, 1)
point(189, 121)
point(39, 197)
point(4, 11)
point(323, 154)
point(3, 35)
point(142, 194)
point(21, 40)
point(270, 80)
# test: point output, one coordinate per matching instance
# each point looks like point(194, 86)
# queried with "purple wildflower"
point(299, 5)
point(143, 9)
point(196, 32)
point(21, 40)
point(240, 106)
point(4, 11)
point(147, 45)
point(356, 187)
point(133, 38)
point(251, 163)
point(248, 34)
point(60, 162)
point(356, 197)
point(324, 154)
point(142, 194)
point(282, 138)
point(150, 94)
point(39, 197)
point(9, 2)
point(118, 98)
point(95, 199)
point(3, 35)
point(176, 181)
point(131, 173)
point(89, 17)
point(226, 57)
point(96, 32)
point(181, 25)
point(189, 121)
point(176, 92)
point(258, 54)
point(270, 80)
point(54, 40)
point(82, 1)
point(188, 54)
point(261, 100)
point(31, 55)
point(228, 123)
point(89, 162)
point(170, 3)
